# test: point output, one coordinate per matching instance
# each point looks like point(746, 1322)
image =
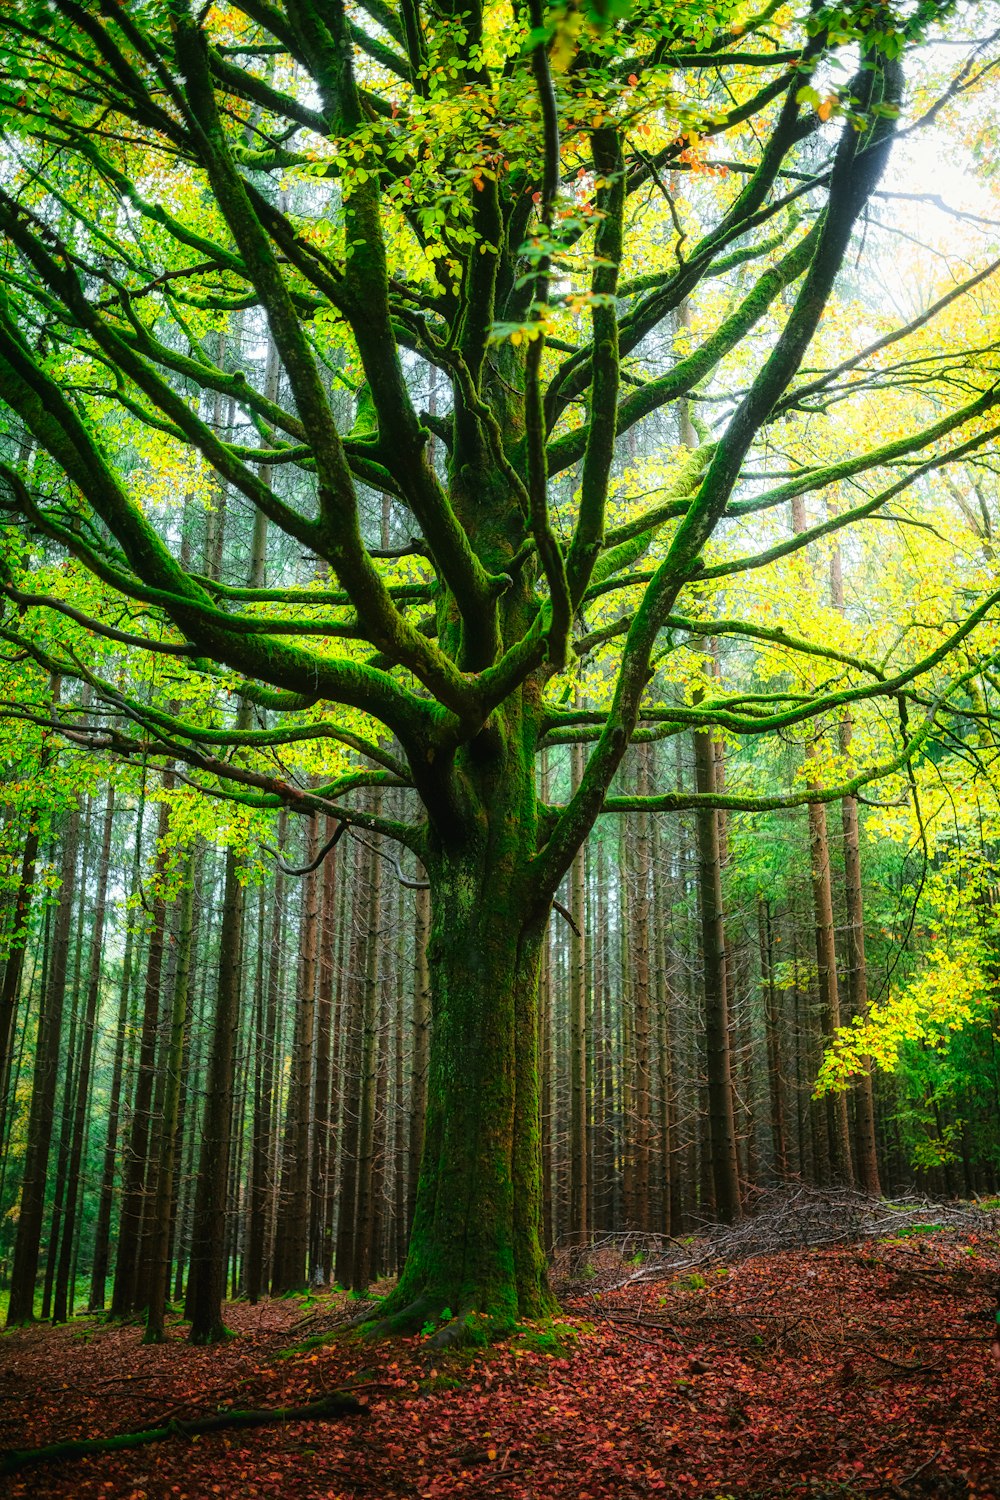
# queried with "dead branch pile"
point(780, 1219)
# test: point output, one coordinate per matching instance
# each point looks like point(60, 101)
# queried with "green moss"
point(910, 1231)
point(551, 1336)
point(442, 1380)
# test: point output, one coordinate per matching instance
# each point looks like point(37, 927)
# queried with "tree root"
point(326, 1407)
point(408, 1319)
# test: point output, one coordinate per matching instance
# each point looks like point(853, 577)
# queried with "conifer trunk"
point(421, 1044)
point(123, 1299)
point(62, 1302)
point(292, 1246)
point(102, 1233)
point(721, 1122)
point(21, 1308)
point(579, 1033)
point(160, 1216)
point(208, 1241)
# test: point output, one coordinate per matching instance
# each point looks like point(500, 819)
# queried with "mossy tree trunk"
point(475, 1251)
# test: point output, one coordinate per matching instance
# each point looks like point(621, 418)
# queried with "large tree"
point(470, 237)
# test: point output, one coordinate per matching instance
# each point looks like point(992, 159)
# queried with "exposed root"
point(410, 1318)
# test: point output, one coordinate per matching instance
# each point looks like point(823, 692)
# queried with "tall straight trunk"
point(579, 1145)
point(69, 1072)
point(159, 1246)
point(102, 1233)
point(380, 1157)
point(259, 1131)
point(721, 1123)
point(602, 1164)
point(628, 1092)
point(123, 1299)
point(262, 1169)
point(839, 1143)
point(353, 1026)
point(399, 1110)
point(829, 990)
point(662, 1009)
point(319, 1258)
point(640, 938)
point(773, 1039)
point(293, 1205)
point(857, 968)
point(365, 1215)
point(10, 988)
point(547, 1102)
point(40, 960)
point(190, 1110)
point(421, 1043)
point(208, 1238)
point(61, 1307)
point(234, 1210)
point(27, 1241)
point(857, 985)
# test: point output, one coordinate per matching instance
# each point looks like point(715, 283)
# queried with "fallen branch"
point(326, 1407)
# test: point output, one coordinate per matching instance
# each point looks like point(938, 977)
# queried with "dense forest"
point(499, 641)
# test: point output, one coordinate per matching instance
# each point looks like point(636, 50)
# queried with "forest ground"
point(859, 1368)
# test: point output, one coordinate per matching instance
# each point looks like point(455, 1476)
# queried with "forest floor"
point(860, 1368)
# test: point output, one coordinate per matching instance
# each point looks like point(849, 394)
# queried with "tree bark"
point(829, 990)
point(421, 1044)
point(722, 1126)
point(292, 1235)
point(21, 1308)
point(364, 1225)
point(475, 1252)
point(62, 1302)
point(159, 1245)
point(123, 1299)
point(102, 1233)
point(579, 1035)
point(208, 1241)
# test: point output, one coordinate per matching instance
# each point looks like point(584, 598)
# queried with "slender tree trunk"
point(261, 1189)
point(421, 1043)
point(123, 1300)
point(663, 1005)
point(722, 1127)
point(102, 1233)
point(69, 1072)
point(365, 1215)
point(43, 1096)
point(857, 969)
point(353, 1028)
point(62, 1307)
point(773, 1039)
point(208, 1246)
point(10, 988)
point(579, 1038)
point(159, 1280)
point(292, 1242)
point(322, 1124)
point(829, 991)
point(400, 1220)
point(261, 1120)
